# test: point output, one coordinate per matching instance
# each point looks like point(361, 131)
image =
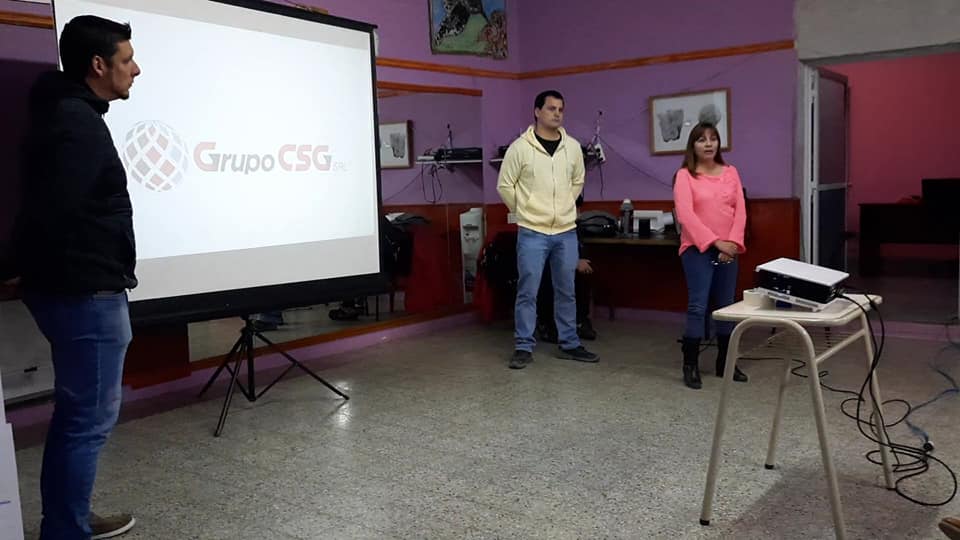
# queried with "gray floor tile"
point(440, 440)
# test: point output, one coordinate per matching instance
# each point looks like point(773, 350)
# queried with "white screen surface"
point(248, 141)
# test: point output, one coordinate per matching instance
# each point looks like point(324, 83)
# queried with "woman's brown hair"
point(690, 155)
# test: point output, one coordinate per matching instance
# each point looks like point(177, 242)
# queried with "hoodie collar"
point(54, 86)
point(531, 137)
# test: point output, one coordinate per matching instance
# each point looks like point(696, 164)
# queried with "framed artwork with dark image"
point(673, 116)
point(477, 27)
point(396, 146)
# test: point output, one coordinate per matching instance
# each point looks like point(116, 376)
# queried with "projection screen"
point(250, 146)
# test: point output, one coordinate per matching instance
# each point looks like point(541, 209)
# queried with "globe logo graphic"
point(155, 156)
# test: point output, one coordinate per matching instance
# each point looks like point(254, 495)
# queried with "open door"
point(826, 156)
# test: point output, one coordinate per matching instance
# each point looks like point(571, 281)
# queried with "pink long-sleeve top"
point(710, 208)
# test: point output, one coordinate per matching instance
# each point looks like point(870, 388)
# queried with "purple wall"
point(404, 30)
point(24, 54)
point(565, 34)
point(762, 86)
point(25, 7)
point(762, 89)
point(27, 44)
point(430, 114)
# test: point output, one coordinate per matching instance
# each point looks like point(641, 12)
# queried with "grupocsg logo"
point(155, 156)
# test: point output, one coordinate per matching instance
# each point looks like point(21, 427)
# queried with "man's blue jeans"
point(88, 338)
point(534, 251)
point(709, 284)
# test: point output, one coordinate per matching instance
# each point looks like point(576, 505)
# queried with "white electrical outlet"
point(511, 218)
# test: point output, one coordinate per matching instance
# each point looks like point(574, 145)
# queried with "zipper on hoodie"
point(553, 172)
point(554, 175)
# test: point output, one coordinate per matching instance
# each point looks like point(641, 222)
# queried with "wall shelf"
point(424, 160)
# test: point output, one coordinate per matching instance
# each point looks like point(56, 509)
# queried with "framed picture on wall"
point(673, 116)
point(396, 146)
point(477, 27)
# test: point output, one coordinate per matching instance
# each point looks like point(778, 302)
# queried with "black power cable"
point(922, 457)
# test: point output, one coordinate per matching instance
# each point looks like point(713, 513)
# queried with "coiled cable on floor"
point(911, 461)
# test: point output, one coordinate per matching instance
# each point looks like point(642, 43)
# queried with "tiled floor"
point(440, 440)
point(25, 355)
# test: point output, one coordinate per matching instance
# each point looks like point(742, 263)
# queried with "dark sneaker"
point(520, 359)
point(585, 330)
point(579, 354)
point(345, 313)
point(261, 326)
point(110, 526)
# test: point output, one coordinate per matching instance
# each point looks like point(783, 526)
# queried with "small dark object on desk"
point(642, 228)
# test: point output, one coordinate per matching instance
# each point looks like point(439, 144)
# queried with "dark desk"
point(619, 275)
point(901, 223)
point(656, 239)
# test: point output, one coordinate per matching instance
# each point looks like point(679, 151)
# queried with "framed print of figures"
point(396, 148)
point(673, 116)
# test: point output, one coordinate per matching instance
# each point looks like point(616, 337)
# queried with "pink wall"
point(900, 116)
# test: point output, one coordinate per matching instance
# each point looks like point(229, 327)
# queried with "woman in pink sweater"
point(709, 203)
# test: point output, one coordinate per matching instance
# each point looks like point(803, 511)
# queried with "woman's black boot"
point(691, 363)
point(723, 343)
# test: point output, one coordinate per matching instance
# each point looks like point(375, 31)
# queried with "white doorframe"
point(808, 134)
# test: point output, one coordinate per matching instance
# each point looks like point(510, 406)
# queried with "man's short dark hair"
point(87, 36)
point(542, 98)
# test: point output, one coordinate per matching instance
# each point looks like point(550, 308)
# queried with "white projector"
point(800, 283)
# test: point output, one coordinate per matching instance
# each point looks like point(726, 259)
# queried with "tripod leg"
point(226, 360)
point(233, 384)
point(332, 388)
point(296, 363)
point(251, 386)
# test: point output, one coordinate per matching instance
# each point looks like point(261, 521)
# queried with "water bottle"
point(626, 217)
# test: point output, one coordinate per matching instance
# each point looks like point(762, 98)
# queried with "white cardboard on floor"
point(11, 519)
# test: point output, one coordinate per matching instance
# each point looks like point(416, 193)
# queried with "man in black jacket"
point(75, 257)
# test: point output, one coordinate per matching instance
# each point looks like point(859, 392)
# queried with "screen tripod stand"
point(243, 351)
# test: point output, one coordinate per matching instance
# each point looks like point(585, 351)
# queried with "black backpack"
point(499, 261)
point(397, 255)
point(597, 223)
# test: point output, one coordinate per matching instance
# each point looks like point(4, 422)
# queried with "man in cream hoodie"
point(540, 178)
